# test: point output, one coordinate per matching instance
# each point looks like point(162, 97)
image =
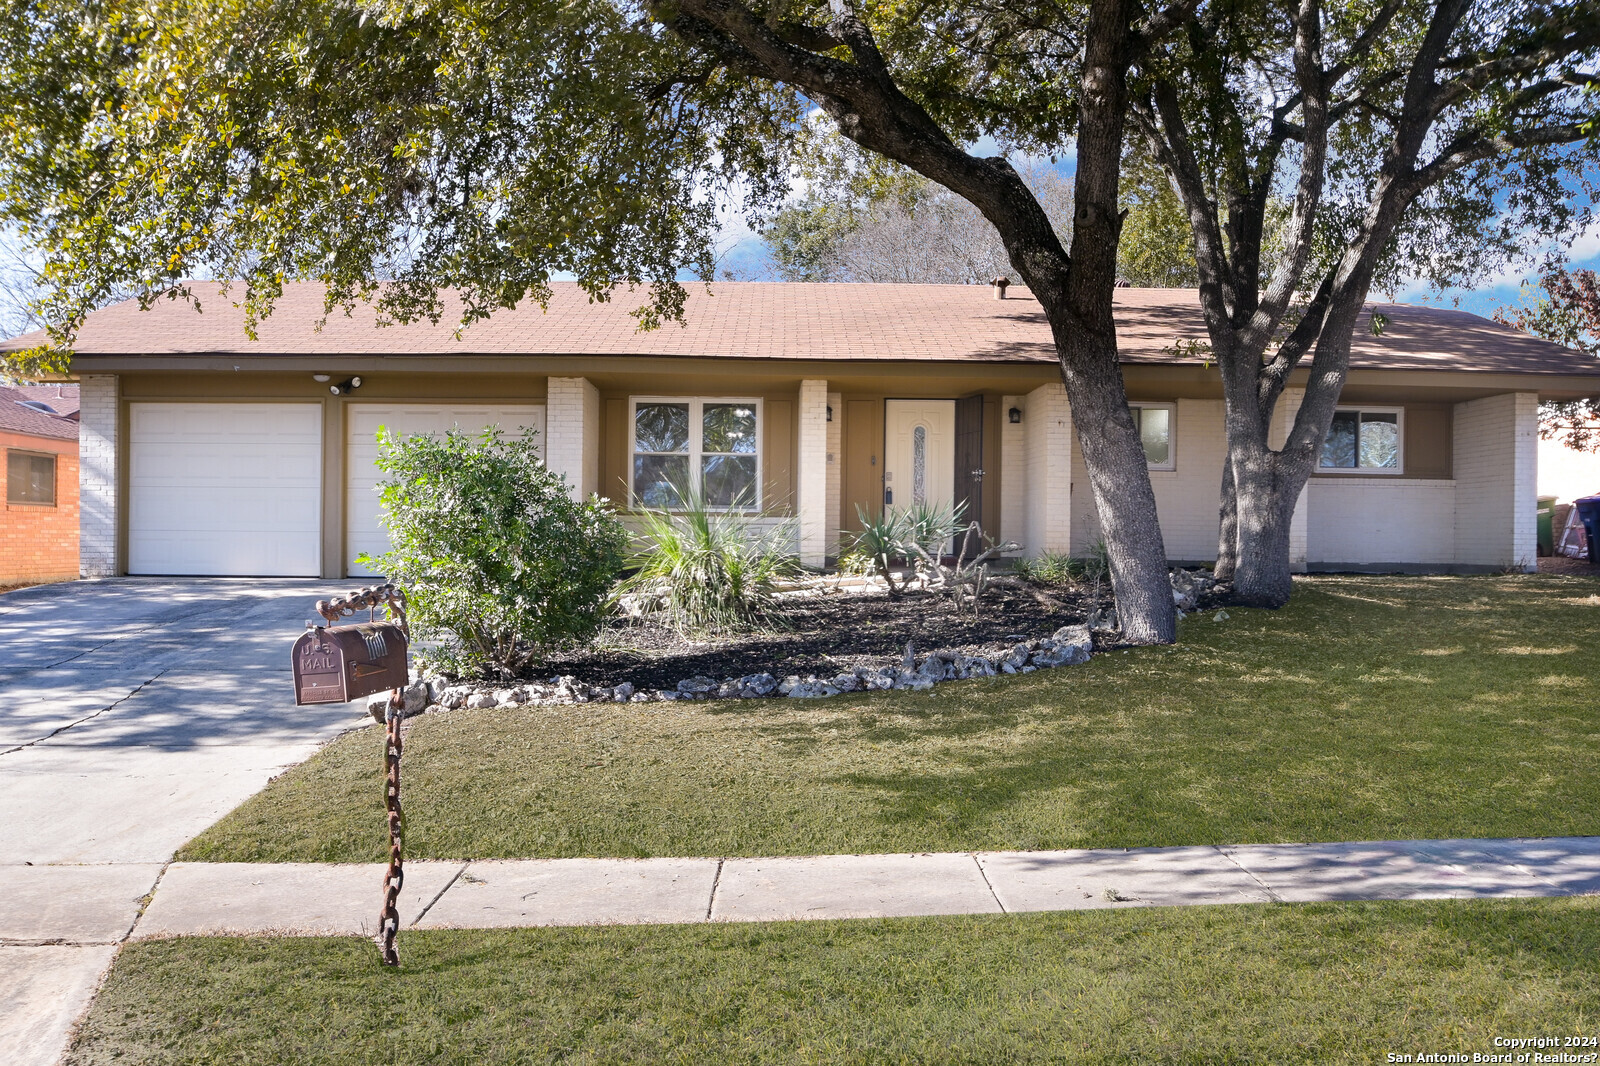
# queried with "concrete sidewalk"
point(99, 906)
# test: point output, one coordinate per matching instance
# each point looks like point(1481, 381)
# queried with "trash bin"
point(1589, 514)
point(1547, 535)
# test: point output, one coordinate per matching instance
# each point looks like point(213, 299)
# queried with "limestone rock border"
point(1068, 646)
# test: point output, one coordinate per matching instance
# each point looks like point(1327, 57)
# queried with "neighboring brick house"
point(39, 434)
point(205, 452)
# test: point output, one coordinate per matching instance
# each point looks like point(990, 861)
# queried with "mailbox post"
point(335, 663)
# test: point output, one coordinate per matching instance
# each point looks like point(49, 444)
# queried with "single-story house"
point(205, 452)
point(39, 435)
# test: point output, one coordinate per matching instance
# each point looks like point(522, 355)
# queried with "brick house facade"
point(39, 533)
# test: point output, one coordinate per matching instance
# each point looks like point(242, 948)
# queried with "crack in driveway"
point(88, 717)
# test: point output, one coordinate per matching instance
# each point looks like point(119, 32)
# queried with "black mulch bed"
point(825, 636)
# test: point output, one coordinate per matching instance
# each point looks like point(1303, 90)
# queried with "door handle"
point(888, 497)
point(977, 475)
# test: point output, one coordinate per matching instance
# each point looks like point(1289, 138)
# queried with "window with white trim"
point(1364, 440)
point(710, 447)
point(1155, 433)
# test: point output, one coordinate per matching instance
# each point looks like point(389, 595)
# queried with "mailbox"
point(336, 664)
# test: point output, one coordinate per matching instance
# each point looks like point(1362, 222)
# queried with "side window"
point(1155, 431)
point(1363, 440)
point(30, 478)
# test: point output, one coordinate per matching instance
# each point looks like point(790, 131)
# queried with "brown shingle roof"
point(15, 418)
point(771, 320)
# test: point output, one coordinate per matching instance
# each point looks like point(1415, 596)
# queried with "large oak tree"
point(1428, 140)
point(480, 146)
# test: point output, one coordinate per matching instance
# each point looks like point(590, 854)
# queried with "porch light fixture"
point(1015, 414)
point(830, 412)
point(345, 387)
point(319, 378)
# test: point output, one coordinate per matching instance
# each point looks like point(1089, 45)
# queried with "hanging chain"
point(394, 877)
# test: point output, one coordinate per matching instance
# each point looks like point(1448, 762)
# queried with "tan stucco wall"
point(1186, 497)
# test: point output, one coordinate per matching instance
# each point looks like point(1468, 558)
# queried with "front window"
point(30, 478)
point(1155, 433)
point(709, 447)
point(1363, 440)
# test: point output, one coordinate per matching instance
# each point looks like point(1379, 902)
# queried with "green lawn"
point(1371, 707)
point(1239, 984)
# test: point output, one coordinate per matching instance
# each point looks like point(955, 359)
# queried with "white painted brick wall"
point(1048, 511)
point(572, 434)
point(812, 472)
point(1013, 473)
point(1496, 473)
point(835, 469)
point(98, 396)
point(1374, 521)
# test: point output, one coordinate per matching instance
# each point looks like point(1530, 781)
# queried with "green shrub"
point(1053, 568)
point(710, 571)
point(499, 563)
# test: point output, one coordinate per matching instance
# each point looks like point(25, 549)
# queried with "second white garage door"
point(363, 524)
point(225, 488)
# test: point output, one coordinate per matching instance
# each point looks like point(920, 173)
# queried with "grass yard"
point(1370, 708)
point(1327, 983)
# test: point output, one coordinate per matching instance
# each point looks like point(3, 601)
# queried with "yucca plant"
point(881, 539)
point(706, 570)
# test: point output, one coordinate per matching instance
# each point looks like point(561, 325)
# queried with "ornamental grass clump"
point(709, 571)
point(500, 564)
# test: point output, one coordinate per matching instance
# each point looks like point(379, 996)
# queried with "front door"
point(919, 453)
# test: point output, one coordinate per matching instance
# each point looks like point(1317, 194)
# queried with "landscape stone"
point(698, 686)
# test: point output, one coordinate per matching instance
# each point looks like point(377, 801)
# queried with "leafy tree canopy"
point(470, 145)
point(1564, 307)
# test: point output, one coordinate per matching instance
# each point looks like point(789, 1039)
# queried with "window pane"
point(1380, 441)
point(1155, 431)
point(30, 478)
point(919, 465)
point(661, 427)
point(729, 427)
point(658, 480)
point(730, 480)
point(1339, 450)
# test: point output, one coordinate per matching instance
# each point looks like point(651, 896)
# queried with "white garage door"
point(363, 524)
point(225, 488)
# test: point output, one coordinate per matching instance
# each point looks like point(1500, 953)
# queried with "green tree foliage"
point(1157, 247)
point(1410, 140)
point(1565, 308)
point(478, 147)
point(499, 562)
point(471, 146)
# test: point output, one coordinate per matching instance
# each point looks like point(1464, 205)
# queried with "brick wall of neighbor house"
point(1495, 454)
point(38, 542)
point(97, 474)
point(1051, 446)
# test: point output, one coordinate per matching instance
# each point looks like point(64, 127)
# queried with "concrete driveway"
point(135, 713)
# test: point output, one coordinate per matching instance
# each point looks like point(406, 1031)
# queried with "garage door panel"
point(363, 515)
point(225, 488)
